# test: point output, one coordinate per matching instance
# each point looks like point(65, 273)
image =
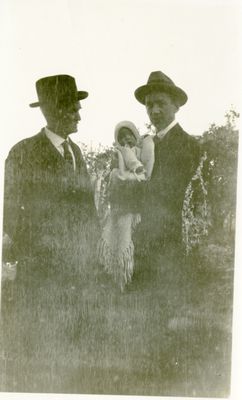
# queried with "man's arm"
point(12, 207)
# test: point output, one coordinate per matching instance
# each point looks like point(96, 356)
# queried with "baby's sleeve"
point(121, 165)
point(131, 158)
point(148, 154)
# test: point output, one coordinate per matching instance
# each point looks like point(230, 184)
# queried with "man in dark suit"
point(176, 160)
point(48, 196)
point(50, 219)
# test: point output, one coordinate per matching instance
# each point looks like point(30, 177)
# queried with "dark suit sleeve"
point(13, 181)
point(88, 186)
point(85, 187)
point(187, 162)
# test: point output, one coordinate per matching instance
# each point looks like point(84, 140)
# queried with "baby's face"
point(126, 137)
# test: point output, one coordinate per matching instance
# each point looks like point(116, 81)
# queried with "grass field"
point(169, 333)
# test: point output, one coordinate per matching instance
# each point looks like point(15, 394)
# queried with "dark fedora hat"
point(57, 90)
point(159, 81)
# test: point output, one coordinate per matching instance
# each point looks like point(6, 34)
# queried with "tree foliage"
point(221, 146)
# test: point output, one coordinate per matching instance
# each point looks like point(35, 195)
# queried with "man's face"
point(161, 109)
point(63, 120)
point(69, 117)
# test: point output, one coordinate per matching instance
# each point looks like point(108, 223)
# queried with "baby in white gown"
point(135, 163)
point(135, 153)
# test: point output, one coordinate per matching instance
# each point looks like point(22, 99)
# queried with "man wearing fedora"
point(176, 160)
point(49, 212)
point(48, 194)
point(47, 187)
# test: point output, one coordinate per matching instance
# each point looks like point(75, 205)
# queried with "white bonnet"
point(126, 124)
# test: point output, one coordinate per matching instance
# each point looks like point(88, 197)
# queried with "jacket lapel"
point(46, 152)
point(52, 152)
point(80, 163)
point(50, 158)
point(176, 130)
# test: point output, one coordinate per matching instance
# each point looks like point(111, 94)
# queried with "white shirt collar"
point(55, 139)
point(163, 132)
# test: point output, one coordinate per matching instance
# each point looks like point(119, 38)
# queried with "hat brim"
point(81, 95)
point(174, 91)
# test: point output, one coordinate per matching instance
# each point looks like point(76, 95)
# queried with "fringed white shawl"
point(116, 248)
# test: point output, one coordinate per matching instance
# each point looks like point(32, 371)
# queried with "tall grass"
point(168, 334)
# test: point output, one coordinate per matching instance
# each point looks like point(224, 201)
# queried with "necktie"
point(160, 135)
point(67, 155)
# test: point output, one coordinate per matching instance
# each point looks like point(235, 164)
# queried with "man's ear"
point(176, 103)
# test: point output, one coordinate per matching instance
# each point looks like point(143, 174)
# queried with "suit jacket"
point(45, 204)
point(176, 160)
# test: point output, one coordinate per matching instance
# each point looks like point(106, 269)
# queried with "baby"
point(135, 154)
point(135, 163)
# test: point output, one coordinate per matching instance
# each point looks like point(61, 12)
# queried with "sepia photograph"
point(120, 165)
